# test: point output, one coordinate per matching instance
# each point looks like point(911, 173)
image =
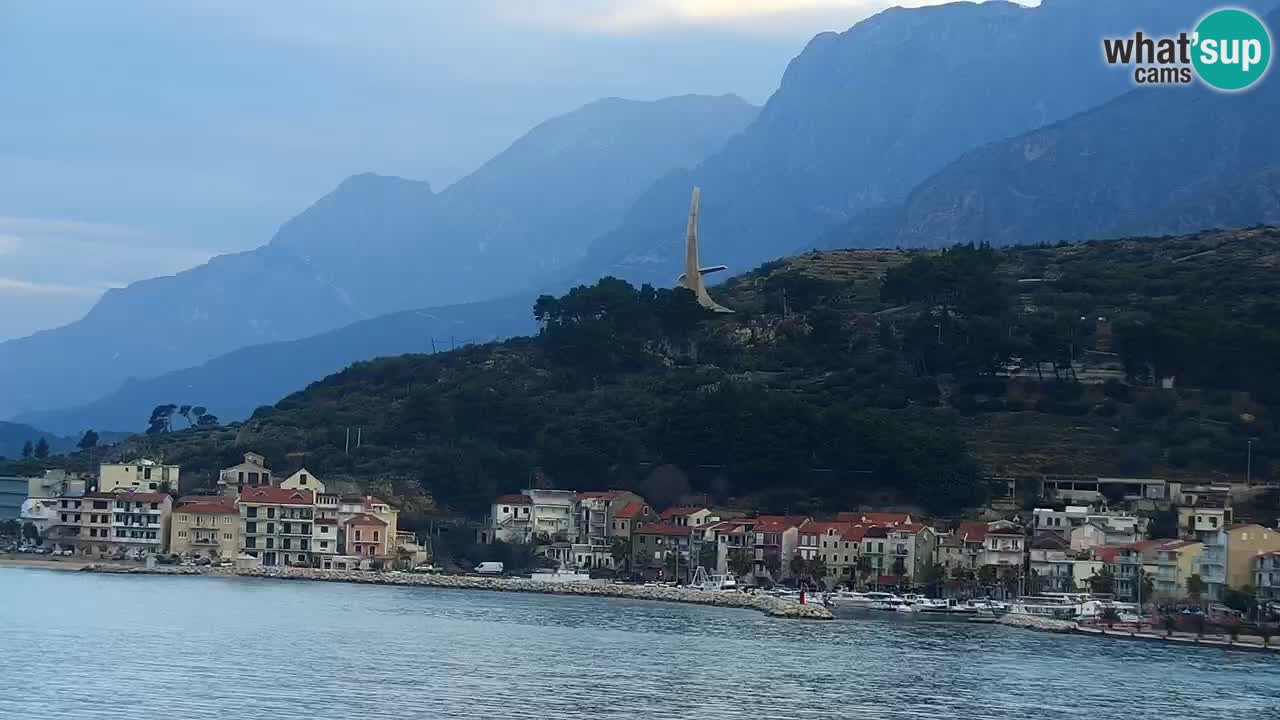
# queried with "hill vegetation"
point(845, 377)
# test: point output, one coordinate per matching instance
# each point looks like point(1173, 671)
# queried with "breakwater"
point(772, 606)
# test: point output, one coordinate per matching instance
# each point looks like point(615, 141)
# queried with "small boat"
point(985, 617)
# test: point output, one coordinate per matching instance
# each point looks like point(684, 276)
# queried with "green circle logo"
point(1233, 49)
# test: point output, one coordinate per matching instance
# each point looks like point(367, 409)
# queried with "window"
point(271, 512)
point(271, 528)
point(227, 520)
point(302, 479)
point(182, 533)
point(251, 542)
point(286, 544)
point(251, 528)
point(271, 543)
point(357, 536)
point(324, 544)
point(146, 473)
point(182, 518)
point(251, 512)
point(505, 509)
point(375, 536)
point(227, 536)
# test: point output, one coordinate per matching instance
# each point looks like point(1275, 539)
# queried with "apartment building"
point(351, 506)
point(510, 519)
point(660, 550)
point(776, 539)
point(141, 475)
point(303, 480)
point(252, 473)
point(206, 526)
point(118, 524)
point(876, 554)
point(628, 518)
point(1003, 545)
point(276, 525)
point(1266, 578)
point(1226, 556)
point(1170, 563)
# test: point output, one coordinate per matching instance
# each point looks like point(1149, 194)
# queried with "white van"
point(490, 568)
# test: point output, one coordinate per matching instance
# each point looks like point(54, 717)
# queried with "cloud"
point(9, 244)
point(37, 288)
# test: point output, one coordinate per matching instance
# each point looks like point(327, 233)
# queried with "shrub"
point(1117, 390)
point(1156, 405)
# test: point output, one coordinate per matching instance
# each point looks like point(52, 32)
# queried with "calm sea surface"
point(74, 645)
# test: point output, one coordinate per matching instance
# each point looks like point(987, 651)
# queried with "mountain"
point(377, 245)
point(844, 376)
point(864, 116)
point(1153, 161)
point(237, 383)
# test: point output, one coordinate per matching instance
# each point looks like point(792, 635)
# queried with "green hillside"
point(844, 377)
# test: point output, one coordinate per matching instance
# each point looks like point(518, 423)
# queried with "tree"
point(1242, 600)
point(987, 576)
point(899, 567)
point(740, 563)
point(1164, 524)
point(773, 564)
point(27, 449)
point(88, 441)
point(798, 566)
point(161, 419)
point(862, 568)
point(818, 569)
point(620, 551)
point(933, 577)
point(1196, 587)
point(42, 449)
point(1103, 583)
point(31, 532)
point(708, 555)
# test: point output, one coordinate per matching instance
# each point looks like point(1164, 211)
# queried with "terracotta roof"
point(973, 532)
point(630, 511)
point(909, 528)
point(854, 534)
point(363, 519)
point(1242, 526)
point(660, 529)
point(819, 527)
point(277, 496)
point(876, 532)
point(207, 504)
point(513, 500)
point(1106, 553)
point(684, 511)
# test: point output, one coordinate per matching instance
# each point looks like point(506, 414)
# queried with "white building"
point(303, 480)
point(141, 475)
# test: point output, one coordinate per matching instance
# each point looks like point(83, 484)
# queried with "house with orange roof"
point(668, 552)
point(1171, 564)
point(630, 516)
point(845, 550)
point(914, 546)
point(732, 538)
point(883, 519)
point(365, 536)
point(276, 525)
point(206, 526)
point(687, 516)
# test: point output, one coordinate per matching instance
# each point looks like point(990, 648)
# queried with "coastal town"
point(1098, 536)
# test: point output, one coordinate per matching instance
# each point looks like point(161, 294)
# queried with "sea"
point(80, 645)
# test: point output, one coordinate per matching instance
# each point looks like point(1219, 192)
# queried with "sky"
point(141, 138)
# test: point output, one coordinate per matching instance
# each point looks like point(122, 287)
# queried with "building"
point(366, 537)
point(1051, 567)
point(276, 525)
point(1127, 565)
point(140, 475)
point(206, 526)
point(1003, 544)
point(13, 493)
point(913, 546)
point(1203, 508)
point(510, 519)
point(303, 480)
point(875, 555)
point(844, 557)
point(552, 514)
point(661, 550)
point(1118, 528)
point(1226, 557)
point(597, 526)
point(1090, 491)
point(776, 539)
point(352, 505)
point(628, 518)
point(118, 524)
point(252, 473)
point(734, 540)
point(973, 542)
point(1266, 578)
point(687, 516)
point(1170, 564)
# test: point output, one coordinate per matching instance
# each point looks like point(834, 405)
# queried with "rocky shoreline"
point(1042, 624)
point(774, 607)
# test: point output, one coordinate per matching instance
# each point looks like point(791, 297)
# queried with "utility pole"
point(1248, 466)
point(346, 449)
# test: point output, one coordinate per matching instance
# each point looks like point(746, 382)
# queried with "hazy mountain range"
point(902, 130)
point(377, 245)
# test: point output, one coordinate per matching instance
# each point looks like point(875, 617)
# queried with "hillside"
point(1153, 161)
point(843, 376)
point(378, 245)
point(863, 116)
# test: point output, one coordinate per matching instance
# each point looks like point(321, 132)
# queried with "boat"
point(946, 610)
point(713, 583)
point(982, 616)
point(1057, 607)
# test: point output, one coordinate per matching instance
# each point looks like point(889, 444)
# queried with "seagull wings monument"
point(691, 278)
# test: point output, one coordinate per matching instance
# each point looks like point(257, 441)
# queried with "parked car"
point(490, 568)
